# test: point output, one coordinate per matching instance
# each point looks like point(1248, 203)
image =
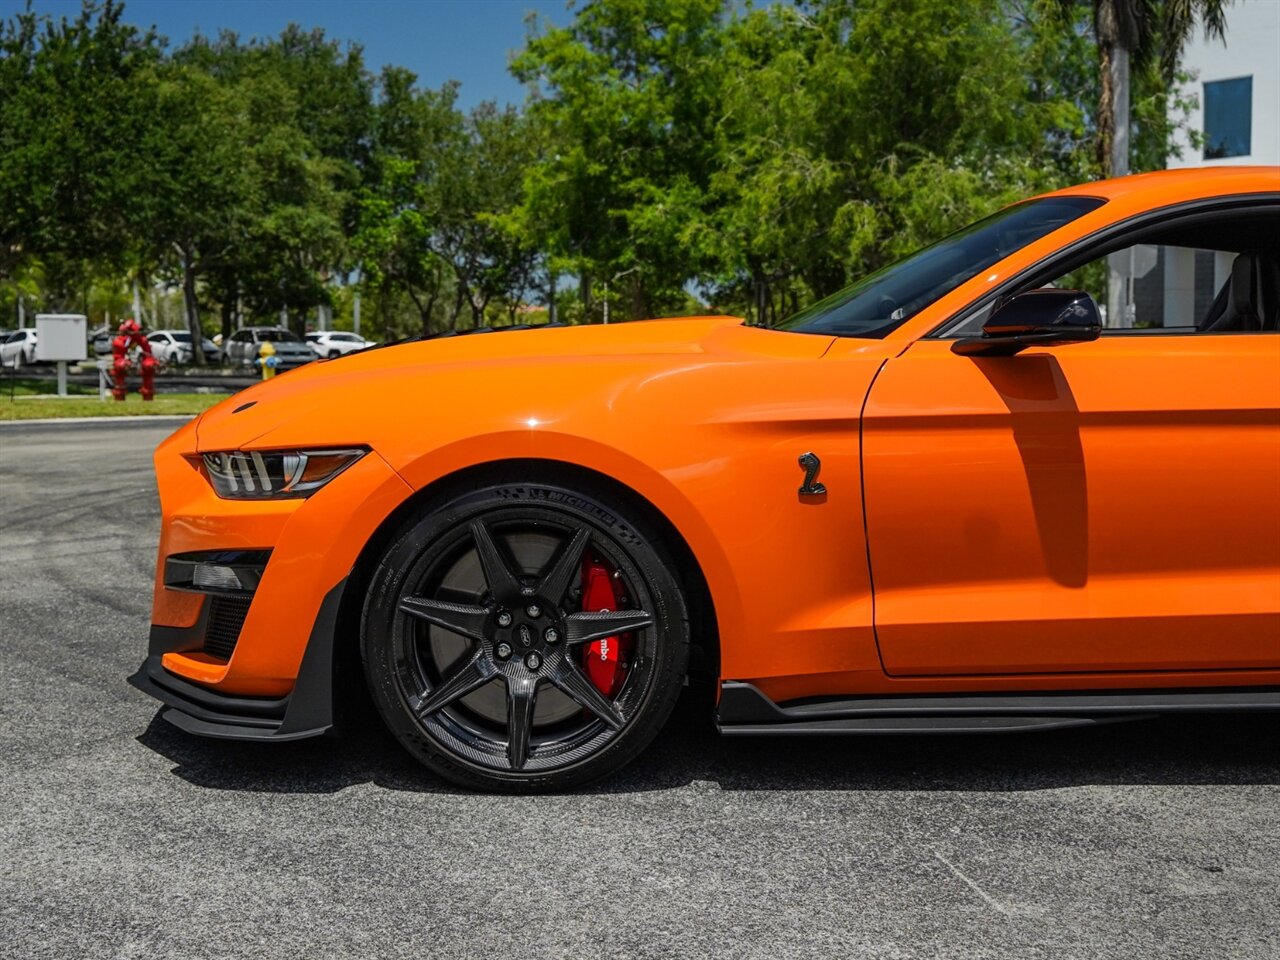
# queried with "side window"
point(1202, 273)
point(1183, 289)
point(1219, 275)
point(1168, 287)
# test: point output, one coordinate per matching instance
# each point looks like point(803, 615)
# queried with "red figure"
point(130, 336)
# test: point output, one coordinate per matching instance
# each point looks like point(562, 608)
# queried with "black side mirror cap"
point(1035, 318)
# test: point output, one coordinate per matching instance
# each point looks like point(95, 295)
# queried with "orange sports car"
point(1027, 478)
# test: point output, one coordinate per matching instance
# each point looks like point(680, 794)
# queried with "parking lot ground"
point(120, 836)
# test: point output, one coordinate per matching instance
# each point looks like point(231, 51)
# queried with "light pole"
point(615, 277)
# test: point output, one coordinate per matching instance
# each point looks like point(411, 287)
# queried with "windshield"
point(890, 297)
point(182, 337)
point(278, 336)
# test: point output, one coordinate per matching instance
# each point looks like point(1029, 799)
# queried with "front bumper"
point(255, 663)
point(306, 711)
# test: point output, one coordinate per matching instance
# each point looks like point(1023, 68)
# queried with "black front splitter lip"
point(306, 712)
point(203, 712)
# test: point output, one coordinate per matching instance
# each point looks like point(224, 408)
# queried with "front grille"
point(226, 617)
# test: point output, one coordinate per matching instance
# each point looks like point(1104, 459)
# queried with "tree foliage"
point(761, 156)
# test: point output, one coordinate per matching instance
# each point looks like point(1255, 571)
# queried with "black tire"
point(473, 629)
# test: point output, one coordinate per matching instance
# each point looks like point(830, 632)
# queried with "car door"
point(238, 348)
point(20, 348)
point(1104, 506)
point(159, 346)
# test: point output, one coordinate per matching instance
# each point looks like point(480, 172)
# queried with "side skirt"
point(745, 711)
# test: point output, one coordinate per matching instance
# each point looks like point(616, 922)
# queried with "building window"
point(1228, 115)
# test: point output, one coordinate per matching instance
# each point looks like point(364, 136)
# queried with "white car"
point(174, 346)
point(334, 343)
point(18, 348)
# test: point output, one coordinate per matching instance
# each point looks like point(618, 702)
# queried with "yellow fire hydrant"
point(267, 359)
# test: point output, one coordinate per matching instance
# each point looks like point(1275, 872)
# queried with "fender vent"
point(226, 617)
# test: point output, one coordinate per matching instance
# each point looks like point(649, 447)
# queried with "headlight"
point(275, 474)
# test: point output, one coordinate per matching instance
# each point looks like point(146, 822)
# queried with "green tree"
point(627, 100)
point(70, 123)
point(196, 208)
point(479, 186)
point(397, 212)
point(851, 133)
point(311, 110)
point(1138, 35)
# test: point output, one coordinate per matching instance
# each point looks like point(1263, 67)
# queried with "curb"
point(68, 423)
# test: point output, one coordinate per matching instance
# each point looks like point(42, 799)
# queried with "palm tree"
point(1141, 30)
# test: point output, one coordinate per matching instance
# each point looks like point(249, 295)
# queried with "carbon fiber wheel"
point(480, 622)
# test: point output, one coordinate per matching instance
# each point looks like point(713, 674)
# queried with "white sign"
point(62, 336)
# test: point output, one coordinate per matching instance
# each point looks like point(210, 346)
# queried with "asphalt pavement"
point(120, 836)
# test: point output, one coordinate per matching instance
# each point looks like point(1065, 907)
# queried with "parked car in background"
point(100, 341)
point(174, 346)
point(18, 348)
point(242, 348)
point(334, 343)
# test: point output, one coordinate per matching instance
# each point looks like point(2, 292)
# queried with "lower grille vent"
point(226, 617)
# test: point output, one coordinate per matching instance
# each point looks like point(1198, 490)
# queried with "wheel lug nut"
point(533, 610)
point(551, 635)
point(503, 651)
point(504, 619)
point(533, 661)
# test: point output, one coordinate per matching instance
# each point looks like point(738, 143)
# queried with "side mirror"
point(1032, 319)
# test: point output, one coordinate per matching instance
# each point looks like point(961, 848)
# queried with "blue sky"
point(465, 40)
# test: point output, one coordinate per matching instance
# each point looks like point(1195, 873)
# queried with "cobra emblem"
point(810, 463)
point(526, 635)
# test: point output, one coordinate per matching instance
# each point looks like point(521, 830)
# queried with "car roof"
point(1172, 186)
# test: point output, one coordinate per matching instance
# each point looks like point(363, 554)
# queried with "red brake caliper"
point(606, 661)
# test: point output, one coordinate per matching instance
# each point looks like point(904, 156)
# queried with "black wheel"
point(334, 354)
point(475, 638)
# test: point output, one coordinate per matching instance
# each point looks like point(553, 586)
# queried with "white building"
point(1236, 86)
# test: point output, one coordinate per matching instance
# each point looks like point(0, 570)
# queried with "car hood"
point(482, 377)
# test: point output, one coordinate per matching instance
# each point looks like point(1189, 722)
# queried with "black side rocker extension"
point(745, 711)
